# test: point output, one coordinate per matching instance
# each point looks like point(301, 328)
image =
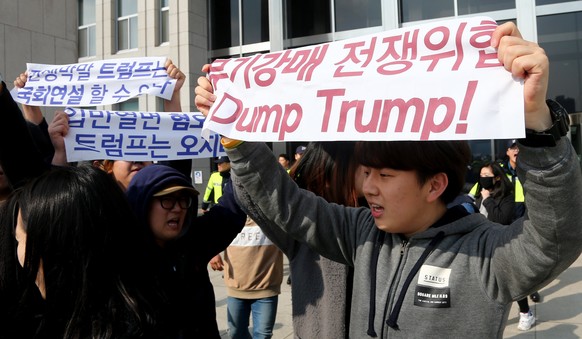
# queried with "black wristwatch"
point(549, 137)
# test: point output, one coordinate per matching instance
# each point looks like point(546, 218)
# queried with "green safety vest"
point(214, 186)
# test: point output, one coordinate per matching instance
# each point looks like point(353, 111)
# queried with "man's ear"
point(436, 186)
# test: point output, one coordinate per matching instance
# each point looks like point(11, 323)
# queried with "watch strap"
point(549, 137)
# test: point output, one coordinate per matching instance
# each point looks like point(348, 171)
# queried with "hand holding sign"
point(526, 60)
point(205, 97)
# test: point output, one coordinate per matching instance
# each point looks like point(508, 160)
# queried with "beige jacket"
point(253, 265)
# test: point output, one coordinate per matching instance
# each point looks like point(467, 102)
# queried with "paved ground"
point(558, 315)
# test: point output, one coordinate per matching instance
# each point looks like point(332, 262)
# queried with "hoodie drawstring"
point(393, 318)
point(373, 267)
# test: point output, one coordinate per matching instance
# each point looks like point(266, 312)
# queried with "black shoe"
point(289, 280)
point(535, 297)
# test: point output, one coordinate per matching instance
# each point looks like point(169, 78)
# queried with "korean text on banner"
point(137, 136)
point(437, 81)
point(103, 82)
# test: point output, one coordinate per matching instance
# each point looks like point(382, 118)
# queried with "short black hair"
point(426, 158)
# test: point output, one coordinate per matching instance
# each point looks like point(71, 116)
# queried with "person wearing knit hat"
point(180, 244)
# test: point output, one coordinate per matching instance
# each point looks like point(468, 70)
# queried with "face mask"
point(486, 182)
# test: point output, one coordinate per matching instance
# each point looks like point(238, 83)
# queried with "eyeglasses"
point(168, 203)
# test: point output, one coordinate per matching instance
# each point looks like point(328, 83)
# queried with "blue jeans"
point(263, 311)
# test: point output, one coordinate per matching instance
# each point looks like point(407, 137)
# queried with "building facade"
point(36, 31)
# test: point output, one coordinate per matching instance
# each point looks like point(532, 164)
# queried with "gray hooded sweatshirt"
point(454, 280)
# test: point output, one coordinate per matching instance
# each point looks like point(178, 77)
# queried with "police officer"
point(217, 182)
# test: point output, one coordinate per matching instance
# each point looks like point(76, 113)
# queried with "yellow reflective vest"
point(214, 188)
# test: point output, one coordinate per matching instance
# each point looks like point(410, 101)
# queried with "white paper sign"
point(438, 81)
point(137, 136)
point(103, 82)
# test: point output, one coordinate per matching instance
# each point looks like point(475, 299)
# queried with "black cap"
point(222, 159)
point(300, 149)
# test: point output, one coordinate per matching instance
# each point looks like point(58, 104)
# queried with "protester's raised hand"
point(21, 80)
point(204, 93)
point(175, 73)
point(174, 104)
point(31, 113)
point(526, 60)
point(58, 129)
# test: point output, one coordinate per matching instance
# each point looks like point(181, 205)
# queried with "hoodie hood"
point(151, 180)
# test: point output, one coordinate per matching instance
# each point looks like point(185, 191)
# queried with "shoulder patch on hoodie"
point(432, 288)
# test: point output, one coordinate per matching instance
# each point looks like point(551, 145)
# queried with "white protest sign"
point(137, 136)
point(103, 82)
point(438, 81)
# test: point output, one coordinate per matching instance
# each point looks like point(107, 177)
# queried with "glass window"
point(305, 18)
point(224, 24)
point(126, 24)
point(164, 21)
point(549, 2)
point(86, 12)
point(350, 14)
point(561, 37)
point(127, 7)
point(414, 10)
point(131, 105)
point(87, 28)
point(479, 6)
point(255, 18)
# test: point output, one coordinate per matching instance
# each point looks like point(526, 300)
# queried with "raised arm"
point(174, 104)
point(19, 156)
point(58, 129)
point(31, 113)
point(545, 242)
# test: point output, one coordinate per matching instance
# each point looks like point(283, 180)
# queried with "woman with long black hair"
point(81, 273)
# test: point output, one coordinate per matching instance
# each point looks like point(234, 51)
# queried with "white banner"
point(137, 136)
point(437, 81)
point(103, 82)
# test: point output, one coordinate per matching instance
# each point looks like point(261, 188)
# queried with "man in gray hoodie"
point(422, 270)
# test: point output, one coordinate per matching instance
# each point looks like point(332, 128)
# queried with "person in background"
point(82, 274)
point(217, 182)
point(122, 170)
point(495, 197)
point(321, 289)
point(495, 200)
point(179, 245)
point(299, 152)
point(510, 168)
point(253, 272)
point(284, 161)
